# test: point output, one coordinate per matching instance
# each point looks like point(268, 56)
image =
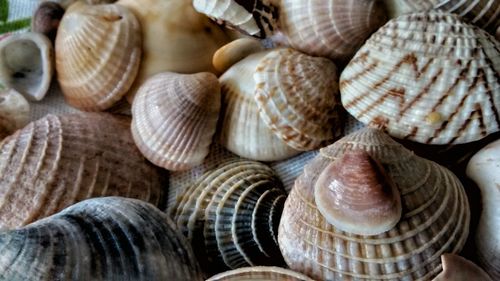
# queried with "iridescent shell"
point(14, 112)
point(456, 268)
point(260, 273)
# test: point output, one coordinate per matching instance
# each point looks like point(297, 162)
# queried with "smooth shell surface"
point(426, 77)
point(59, 160)
point(262, 273)
point(14, 111)
point(235, 51)
point(435, 219)
point(456, 268)
point(46, 19)
point(175, 117)
point(100, 239)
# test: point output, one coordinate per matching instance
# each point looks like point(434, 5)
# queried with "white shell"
point(14, 111)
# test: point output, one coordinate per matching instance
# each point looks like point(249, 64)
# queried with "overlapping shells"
point(260, 273)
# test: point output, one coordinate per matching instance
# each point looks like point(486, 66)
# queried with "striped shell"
point(100, 239)
point(456, 268)
point(426, 77)
point(435, 219)
point(482, 13)
point(14, 111)
point(231, 215)
point(175, 117)
point(260, 273)
point(59, 160)
point(98, 52)
point(396, 8)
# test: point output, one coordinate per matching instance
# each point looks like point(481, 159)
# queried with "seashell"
point(63, 3)
point(46, 19)
point(14, 111)
point(484, 170)
point(231, 216)
point(26, 64)
point(235, 51)
point(177, 131)
point(426, 77)
point(100, 239)
point(396, 8)
point(260, 273)
point(482, 13)
point(98, 52)
point(60, 160)
point(435, 218)
point(456, 268)
point(175, 38)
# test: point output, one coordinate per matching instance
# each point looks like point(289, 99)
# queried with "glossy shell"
point(14, 112)
point(261, 273)
point(235, 51)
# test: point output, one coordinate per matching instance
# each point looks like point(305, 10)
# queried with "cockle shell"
point(14, 111)
point(484, 170)
point(456, 268)
point(231, 215)
point(59, 160)
point(426, 77)
point(46, 19)
point(435, 218)
point(261, 273)
point(98, 52)
point(26, 64)
point(175, 117)
point(99, 239)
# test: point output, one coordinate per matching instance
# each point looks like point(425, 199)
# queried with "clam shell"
point(435, 219)
point(14, 111)
point(260, 273)
point(426, 77)
point(108, 238)
point(175, 117)
point(59, 160)
point(98, 52)
point(456, 268)
point(46, 19)
point(26, 64)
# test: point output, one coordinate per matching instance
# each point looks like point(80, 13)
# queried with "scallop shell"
point(456, 268)
point(484, 169)
point(231, 216)
point(14, 111)
point(426, 77)
point(260, 273)
point(46, 19)
point(59, 160)
point(175, 117)
point(482, 13)
point(98, 52)
point(26, 64)
point(435, 219)
point(108, 238)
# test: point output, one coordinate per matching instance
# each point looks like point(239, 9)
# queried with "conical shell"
point(100, 239)
point(456, 268)
point(267, 273)
point(435, 219)
point(175, 117)
point(14, 111)
point(59, 160)
point(231, 216)
point(426, 77)
point(482, 13)
point(98, 52)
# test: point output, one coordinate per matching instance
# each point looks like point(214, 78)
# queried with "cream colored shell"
point(235, 51)
point(260, 273)
point(14, 111)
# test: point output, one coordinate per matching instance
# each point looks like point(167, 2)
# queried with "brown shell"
point(260, 273)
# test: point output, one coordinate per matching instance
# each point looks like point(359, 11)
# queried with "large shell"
point(175, 117)
point(456, 268)
point(426, 77)
point(98, 52)
point(435, 219)
point(99, 239)
point(14, 111)
point(484, 169)
point(231, 216)
point(260, 273)
point(59, 160)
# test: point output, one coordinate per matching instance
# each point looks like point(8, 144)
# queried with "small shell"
point(98, 52)
point(456, 268)
point(100, 239)
point(26, 64)
point(426, 77)
point(46, 19)
point(14, 112)
point(260, 273)
point(175, 117)
point(482, 13)
point(235, 51)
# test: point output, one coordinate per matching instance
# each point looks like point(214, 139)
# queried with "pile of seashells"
point(84, 196)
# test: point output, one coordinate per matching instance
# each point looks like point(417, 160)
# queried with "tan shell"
point(261, 273)
point(66, 3)
point(456, 268)
point(435, 219)
point(14, 111)
point(235, 51)
point(175, 117)
point(59, 160)
point(98, 52)
point(426, 77)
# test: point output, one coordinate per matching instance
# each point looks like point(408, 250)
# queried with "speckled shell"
point(456, 268)
point(426, 77)
point(231, 215)
point(59, 160)
point(261, 273)
point(100, 239)
point(175, 117)
point(14, 111)
point(98, 52)
point(435, 219)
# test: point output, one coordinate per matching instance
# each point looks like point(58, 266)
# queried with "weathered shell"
point(59, 160)
point(46, 19)
point(26, 64)
point(235, 51)
point(426, 77)
point(98, 52)
point(435, 219)
point(14, 111)
point(484, 170)
point(456, 268)
point(231, 216)
point(175, 117)
point(100, 239)
point(267, 273)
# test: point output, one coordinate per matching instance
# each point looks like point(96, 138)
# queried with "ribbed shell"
point(396, 8)
point(231, 216)
point(175, 117)
point(267, 273)
point(14, 111)
point(59, 160)
point(435, 219)
point(426, 77)
point(100, 239)
point(483, 13)
point(98, 52)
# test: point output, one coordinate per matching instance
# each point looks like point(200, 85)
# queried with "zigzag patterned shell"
point(426, 77)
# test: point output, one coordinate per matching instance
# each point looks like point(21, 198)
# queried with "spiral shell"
point(456, 268)
point(260, 273)
point(435, 219)
point(14, 111)
point(100, 239)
